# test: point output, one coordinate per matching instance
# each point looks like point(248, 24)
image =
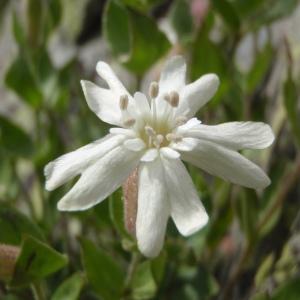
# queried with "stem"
point(132, 266)
point(22, 187)
point(290, 180)
point(37, 291)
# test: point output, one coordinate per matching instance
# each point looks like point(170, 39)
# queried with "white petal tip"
point(196, 227)
point(150, 155)
point(134, 144)
point(168, 152)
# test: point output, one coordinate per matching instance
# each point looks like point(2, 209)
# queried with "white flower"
point(153, 135)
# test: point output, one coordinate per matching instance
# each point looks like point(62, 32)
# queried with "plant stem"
point(37, 291)
point(290, 180)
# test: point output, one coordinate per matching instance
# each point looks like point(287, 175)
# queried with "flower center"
point(156, 129)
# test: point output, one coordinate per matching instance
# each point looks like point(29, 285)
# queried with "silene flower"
point(152, 135)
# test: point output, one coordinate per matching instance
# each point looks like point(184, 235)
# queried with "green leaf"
point(21, 80)
point(227, 11)
point(103, 272)
point(141, 5)
point(36, 261)
point(35, 22)
point(289, 290)
point(14, 225)
point(291, 96)
point(70, 289)
point(116, 211)
point(117, 16)
point(138, 43)
point(182, 21)
point(262, 64)
point(143, 284)
point(14, 140)
point(247, 212)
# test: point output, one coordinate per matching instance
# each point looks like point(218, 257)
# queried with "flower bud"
point(130, 192)
point(8, 258)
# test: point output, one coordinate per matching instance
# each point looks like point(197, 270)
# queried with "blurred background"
point(251, 247)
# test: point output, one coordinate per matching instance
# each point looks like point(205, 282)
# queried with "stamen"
point(181, 120)
point(123, 102)
point(129, 122)
point(174, 99)
point(150, 131)
point(153, 90)
point(158, 140)
point(172, 137)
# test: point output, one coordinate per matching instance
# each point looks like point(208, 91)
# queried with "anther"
point(129, 122)
point(123, 102)
point(150, 131)
point(174, 99)
point(153, 90)
point(158, 140)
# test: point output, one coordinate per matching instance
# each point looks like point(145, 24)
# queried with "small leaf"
point(228, 13)
point(104, 274)
point(21, 80)
point(36, 261)
point(291, 96)
point(14, 225)
point(182, 21)
point(143, 284)
point(134, 39)
point(14, 140)
point(290, 290)
point(70, 289)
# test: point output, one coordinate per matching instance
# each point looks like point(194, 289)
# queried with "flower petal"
point(150, 155)
point(227, 164)
point(71, 164)
point(235, 135)
point(134, 144)
point(100, 180)
point(141, 104)
point(172, 77)
point(105, 71)
point(194, 95)
point(169, 153)
point(153, 208)
point(102, 102)
point(187, 210)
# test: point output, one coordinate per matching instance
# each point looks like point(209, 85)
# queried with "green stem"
point(37, 291)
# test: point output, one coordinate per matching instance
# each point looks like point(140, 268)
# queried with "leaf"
point(290, 290)
point(182, 21)
point(36, 261)
point(14, 225)
point(143, 284)
point(116, 211)
point(104, 274)
point(158, 266)
point(14, 140)
point(117, 16)
point(291, 96)
point(141, 5)
point(228, 13)
point(138, 43)
point(247, 212)
point(21, 80)
point(70, 289)
point(262, 65)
